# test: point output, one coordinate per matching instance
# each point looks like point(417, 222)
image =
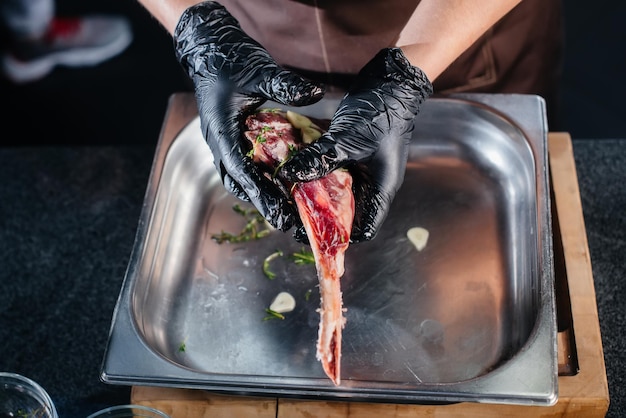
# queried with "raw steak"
point(326, 207)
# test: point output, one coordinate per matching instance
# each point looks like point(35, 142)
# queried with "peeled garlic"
point(310, 134)
point(310, 131)
point(283, 302)
point(418, 237)
point(297, 120)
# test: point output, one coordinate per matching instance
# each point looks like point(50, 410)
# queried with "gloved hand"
point(232, 75)
point(370, 132)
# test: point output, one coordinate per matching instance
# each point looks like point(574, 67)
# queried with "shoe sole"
point(23, 72)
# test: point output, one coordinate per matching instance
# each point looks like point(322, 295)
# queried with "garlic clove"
point(283, 302)
point(418, 237)
point(297, 120)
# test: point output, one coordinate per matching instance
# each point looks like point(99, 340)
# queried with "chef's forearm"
point(441, 30)
point(435, 35)
point(168, 12)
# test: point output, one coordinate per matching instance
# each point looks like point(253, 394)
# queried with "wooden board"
point(583, 387)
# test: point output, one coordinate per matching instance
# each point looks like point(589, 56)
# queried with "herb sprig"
point(255, 227)
point(266, 264)
point(303, 257)
point(272, 315)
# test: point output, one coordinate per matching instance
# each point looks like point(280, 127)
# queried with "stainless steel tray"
point(471, 317)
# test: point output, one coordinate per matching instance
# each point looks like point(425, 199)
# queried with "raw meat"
point(326, 207)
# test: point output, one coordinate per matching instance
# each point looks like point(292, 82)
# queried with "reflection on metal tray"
point(470, 317)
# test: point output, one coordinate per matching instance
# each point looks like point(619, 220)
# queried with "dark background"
point(123, 100)
point(70, 219)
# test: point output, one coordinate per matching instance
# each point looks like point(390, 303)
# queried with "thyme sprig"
point(303, 257)
point(255, 227)
point(266, 264)
point(272, 315)
point(293, 149)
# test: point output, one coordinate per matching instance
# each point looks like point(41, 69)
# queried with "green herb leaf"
point(303, 257)
point(255, 227)
point(238, 209)
point(266, 264)
point(272, 315)
point(293, 149)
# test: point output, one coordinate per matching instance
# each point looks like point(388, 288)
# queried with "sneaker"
point(78, 42)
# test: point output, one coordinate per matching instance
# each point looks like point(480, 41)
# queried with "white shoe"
point(77, 42)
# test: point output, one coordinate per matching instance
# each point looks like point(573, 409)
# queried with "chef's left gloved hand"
point(370, 134)
point(232, 75)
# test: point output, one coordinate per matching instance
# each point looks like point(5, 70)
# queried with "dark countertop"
point(68, 220)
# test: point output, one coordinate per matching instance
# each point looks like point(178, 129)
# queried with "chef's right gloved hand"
point(233, 75)
point(369, 134)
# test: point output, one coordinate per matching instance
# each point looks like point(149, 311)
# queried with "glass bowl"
point(21, 397)
point(129, 411)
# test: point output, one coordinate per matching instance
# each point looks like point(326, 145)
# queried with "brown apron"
point(331, 40)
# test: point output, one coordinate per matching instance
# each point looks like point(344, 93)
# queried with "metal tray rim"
point(135, 368)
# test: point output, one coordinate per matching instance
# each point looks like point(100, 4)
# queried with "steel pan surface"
point(462, 319)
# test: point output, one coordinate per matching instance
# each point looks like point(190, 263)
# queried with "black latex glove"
point(232, 75)
point(370, 132)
